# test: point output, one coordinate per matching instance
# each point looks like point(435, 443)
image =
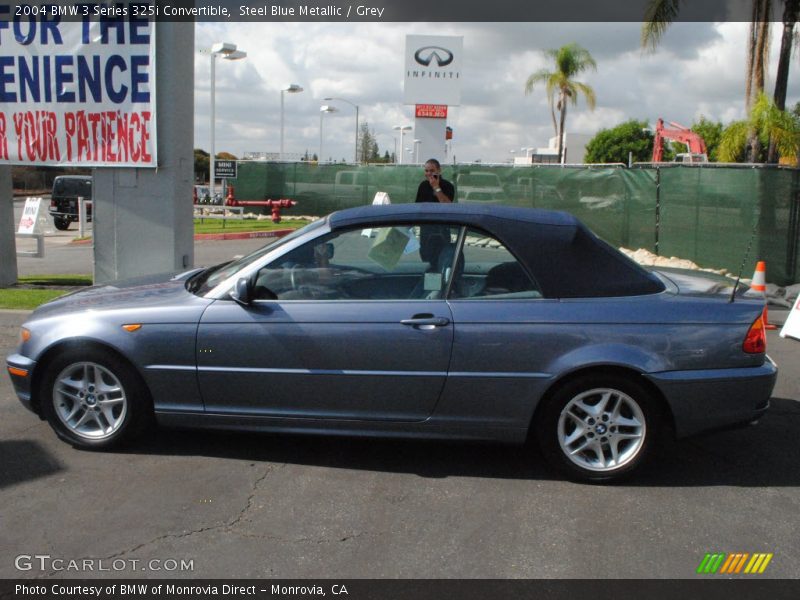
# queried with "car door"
point(504, 338)
point(357, 331)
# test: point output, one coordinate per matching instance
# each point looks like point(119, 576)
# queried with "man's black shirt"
point(425, 191)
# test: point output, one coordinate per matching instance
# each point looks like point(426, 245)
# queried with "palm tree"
point(791, 14)
point(768, 122)
point(661, 13)
point(560, 85)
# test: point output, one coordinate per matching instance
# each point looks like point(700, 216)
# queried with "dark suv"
point(64, 199)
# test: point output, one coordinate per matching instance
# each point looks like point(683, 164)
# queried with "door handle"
point(426, 322)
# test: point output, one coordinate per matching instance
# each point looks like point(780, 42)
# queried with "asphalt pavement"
point(283, 506)
point(216, 505)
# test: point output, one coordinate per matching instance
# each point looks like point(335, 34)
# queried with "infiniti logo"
point(428, 54)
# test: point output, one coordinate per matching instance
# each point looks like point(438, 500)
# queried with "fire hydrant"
point(276, 205)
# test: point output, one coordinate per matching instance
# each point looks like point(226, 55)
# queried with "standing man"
point(434, 188)
point(433, 238)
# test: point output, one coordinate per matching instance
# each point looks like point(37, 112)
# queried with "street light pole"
point(292, 88)
point(402, 129)
point(228, 52)
point(355, 154)
point(322, 110)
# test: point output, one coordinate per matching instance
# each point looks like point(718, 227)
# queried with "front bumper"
point(709, 399)
point(16, 364)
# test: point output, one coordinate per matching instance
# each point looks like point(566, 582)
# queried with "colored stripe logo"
point(737, 563)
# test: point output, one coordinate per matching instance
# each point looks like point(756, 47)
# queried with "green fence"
point(706, 214)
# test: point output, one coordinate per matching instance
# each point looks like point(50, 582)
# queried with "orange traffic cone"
point(759, 284)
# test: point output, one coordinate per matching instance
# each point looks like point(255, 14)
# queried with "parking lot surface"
point(208, 505)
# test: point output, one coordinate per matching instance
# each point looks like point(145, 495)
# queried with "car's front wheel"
point(598, 428)
point(94, 400)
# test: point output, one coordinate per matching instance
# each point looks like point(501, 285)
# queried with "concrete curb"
point(243, 235)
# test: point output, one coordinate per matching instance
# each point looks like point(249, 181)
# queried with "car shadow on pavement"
point(761, 455)
point(764, 454)
point(25, 460)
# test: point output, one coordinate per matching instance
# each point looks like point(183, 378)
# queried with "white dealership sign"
point(30, 222)
point(77, 85)
point(433, 69)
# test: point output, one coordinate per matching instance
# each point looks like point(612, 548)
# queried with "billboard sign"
point(431, 111)
point(433, 69)
point(77, 89)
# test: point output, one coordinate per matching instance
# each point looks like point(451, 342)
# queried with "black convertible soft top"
point(564, 256)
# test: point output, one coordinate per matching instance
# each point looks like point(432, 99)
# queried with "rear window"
point(72, 187)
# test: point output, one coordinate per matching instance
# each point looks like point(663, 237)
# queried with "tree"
point(570, 60)
point(711, 132)
point(367, 145)
point(661, 13)
point(201, 165)
point(768, 122)
point(791, 13)
point(615, 145)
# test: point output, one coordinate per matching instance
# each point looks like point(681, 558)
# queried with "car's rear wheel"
point(94, 400)
point(598, 428)
point(61, 223)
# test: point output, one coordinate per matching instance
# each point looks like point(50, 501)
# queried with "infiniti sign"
point(433, 66)
point(428, 54)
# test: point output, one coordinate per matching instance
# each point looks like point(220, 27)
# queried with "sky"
point(698, 69)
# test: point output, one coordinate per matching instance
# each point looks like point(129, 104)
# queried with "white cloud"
point(697, 70)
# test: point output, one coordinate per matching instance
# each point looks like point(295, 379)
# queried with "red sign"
point(432, 111)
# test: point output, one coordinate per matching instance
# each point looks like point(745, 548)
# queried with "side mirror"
point(242, 292)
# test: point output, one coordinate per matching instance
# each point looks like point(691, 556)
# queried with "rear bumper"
point(703, 400)
point(15, 365)
point(72, 216)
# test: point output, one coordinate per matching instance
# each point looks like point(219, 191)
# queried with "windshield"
point(73, 187)
point(207, 280)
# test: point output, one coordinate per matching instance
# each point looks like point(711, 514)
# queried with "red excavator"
point(697, 146)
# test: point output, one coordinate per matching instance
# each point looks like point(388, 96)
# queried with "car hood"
point(148, 292)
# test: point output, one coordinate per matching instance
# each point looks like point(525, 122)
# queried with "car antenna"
point(744, 260)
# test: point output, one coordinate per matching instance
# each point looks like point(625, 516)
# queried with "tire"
point(61, 223)
point(598, 428)
point(94, 400)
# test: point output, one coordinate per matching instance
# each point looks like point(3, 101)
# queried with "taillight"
point(755, 342)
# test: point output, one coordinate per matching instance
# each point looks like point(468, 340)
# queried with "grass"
point(22, 297)
point(56, 280)
point(234, 225)
point(27, 299)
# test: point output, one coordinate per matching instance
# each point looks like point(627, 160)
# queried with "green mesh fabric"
point(704, 214)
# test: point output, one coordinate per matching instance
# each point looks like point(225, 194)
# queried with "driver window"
point(383, 263)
